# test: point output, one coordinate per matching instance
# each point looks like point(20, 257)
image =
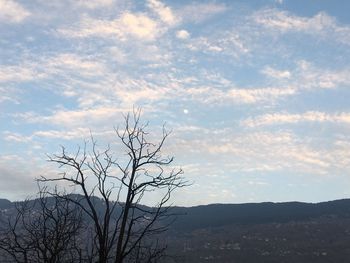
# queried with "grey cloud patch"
point(17, 180)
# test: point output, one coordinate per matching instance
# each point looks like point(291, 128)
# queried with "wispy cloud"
point(321, 24)
point(164, 12)
point(263, 152)
point(308, 76)
point(284, 21)
point(199, 12)
point(288, 118)
point(16, 137)
point(239, 95)
point(93, 4)
point(12, 12)
point(44, 67)
point(237, 84)
point(275, 73)
point(259, 95)
point(76, 133)
point(72, 62)
point(76, 118)
point(73, 132)
point(129, 24)
point(9, 94)
point(182, 34)
point(18, 73)
point(227, 43)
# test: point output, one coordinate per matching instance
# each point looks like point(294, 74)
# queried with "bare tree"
point(42, 230)
point(123, 230)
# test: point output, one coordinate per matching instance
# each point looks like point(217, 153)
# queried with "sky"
point(256, 93)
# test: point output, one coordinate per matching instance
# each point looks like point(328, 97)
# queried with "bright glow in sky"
point(256, 92)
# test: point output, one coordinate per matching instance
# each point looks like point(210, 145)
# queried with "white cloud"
point(9, 94)
point(199, 12)
point(136, 25)
point(69, 123)
point(77, 118)
point(182, 34)
point(16, 137)
point(275, 73)
point(288, 118)
point(44, 67)
point(18, 73)
point(139, 25)
point(284, 21)
point(259, 95)
point(89, 27)
point(82, 77)
point(249, 152)
point(70, 62)
point(87, 79)
point(310, 76)
point(239, 95)
point(321, 24)
point(204, 44)
point(144, 93)
point(76, 133)
point(307, 76)
point(12, 12)
point(228, 43)
point(163, 11)
point(68, 134)
point(93, 4)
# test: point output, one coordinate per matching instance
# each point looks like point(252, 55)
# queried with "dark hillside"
point(215, 215)
point(255, 232)
point(5, 204)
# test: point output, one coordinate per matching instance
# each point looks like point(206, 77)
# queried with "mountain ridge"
point(214, 215)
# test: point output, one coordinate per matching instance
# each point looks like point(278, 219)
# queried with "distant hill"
point(256, 232)
point(215, 215)
point(262, 232)
point(4, 204)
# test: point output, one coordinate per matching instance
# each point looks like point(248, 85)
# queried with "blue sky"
point(256, 93)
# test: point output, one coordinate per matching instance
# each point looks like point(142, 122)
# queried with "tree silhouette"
point(122, 229)
point(42, 230)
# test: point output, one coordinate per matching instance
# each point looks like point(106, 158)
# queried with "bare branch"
point(122, 226)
